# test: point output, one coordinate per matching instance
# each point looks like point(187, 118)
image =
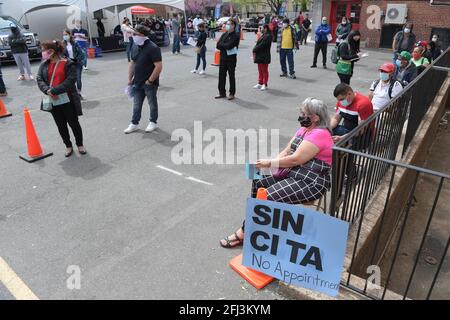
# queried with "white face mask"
point(139, 40)
point(434, 39)
point(285, 25)
point(407, 30)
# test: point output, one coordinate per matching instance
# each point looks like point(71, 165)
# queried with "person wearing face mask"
point(127, 32)
point(196, 22)
point(81, 38)
point(261, 54)
point(228, 45)
point(322, 35)
point(56, 78)
point(19, 50)
point(143, 75)
point(73, 52)
point(287, 42)
point(406, 70)
point(305, 28)
point(385, 88)
point(351, 107)
point(435, 47)
point(348, 53)
point(200, 49)
point(303, 168)
point(343, 30)
point(419, 60)
point(404, 40)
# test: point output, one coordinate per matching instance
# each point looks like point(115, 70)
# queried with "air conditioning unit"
point(396, 13)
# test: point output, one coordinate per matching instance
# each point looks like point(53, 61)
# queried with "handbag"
point(48, 103)
point(344, 67)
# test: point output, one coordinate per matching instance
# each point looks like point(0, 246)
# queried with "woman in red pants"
point(261, 55)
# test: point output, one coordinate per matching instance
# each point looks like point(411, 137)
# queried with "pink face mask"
point(46, 55)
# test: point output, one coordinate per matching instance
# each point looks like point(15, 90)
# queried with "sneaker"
point(325, 67)
point(263, 87)
point(81, 96)
point(131, 128)
point(151, 127)
point(202, 72)
point(313, 66)
point(30, 77)
point(21, 78)
point(194, 71)
point(283, 75)
point(258, 86)
point(292, 76)
point(85, 68)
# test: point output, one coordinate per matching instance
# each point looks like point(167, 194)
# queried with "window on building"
point(355, 12)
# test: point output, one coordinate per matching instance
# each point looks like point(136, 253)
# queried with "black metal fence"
point(369, 157)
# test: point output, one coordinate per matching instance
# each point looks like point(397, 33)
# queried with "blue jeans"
point(128, 46)
point(289, 54)
point(176, 43)
point(340, 130)
point(201, 55)
point(83, 45)
point(139, 97)
point(79, 72)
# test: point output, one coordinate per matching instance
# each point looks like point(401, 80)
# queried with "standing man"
point(228, 45)
point(404, 40)
point(143, 75)
point(287, 41)
point(322, 34)
point(196, 22)
point(81, 38)
point(176, 34)
point(306, 28)
point(100, 28)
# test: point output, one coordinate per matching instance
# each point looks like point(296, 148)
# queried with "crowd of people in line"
point(303, 168)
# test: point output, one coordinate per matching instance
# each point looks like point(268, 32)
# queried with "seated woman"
point(304, 166)
point(419, 60)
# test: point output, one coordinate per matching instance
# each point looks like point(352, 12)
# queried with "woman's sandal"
point(238, 241)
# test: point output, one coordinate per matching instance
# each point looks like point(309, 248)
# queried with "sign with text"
point(297, 245)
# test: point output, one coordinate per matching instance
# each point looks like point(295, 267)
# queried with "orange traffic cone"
point(242, 34)
point(35, 152)
point(216, 62)
point(257, 279)
point(3, 112)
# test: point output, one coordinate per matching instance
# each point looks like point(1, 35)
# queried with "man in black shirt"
point(143, 77)
point(306, 25)
point(228, 45)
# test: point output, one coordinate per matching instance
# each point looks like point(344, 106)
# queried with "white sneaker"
point(194, 71)
point(30, 77)
point(131, 128)
point(263, 87)
point(151, 127)
point(202, 72)
point(85, 68)
point(21, 78)
point(258, 86)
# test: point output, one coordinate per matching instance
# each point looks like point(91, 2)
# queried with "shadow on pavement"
point(249, 105)
point(86, 167)
point(279, 93)
point(160, 136)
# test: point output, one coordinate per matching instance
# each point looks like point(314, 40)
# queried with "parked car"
point(34, 47)
point(252, 24)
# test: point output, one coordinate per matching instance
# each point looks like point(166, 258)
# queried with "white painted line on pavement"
point(14, 284)
point(170, 170)
point(199, 181)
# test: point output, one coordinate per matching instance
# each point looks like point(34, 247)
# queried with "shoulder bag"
point(47, 102)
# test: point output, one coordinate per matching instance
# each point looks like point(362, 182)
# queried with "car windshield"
point(6, 22)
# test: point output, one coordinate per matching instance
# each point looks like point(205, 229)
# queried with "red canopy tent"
point(142, 10)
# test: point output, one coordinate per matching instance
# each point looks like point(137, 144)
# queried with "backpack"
point(391, 85)
point(335, 52)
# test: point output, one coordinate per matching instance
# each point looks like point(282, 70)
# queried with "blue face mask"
point(384, 76)
point(227, 27)
point(345, 103)
point(398, 63)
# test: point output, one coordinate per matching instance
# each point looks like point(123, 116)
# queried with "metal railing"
point(363, 161)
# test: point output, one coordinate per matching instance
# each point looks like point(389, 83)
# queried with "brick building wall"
point(420, 12)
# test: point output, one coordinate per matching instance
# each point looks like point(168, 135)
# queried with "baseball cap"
point(405, 55)
point(387, 67)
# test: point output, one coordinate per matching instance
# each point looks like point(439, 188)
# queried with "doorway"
point(345, 8)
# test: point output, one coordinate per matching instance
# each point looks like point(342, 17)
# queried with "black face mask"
point(305, 121)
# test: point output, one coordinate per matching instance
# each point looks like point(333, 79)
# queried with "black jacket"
point(18, 42)
point(227, 41)
point(67, 86)
point(262, 49)
point(399, 39)
point(348, 50)
point(201, 40)
point(344, 30)
point(77, 53)
point(409, 75)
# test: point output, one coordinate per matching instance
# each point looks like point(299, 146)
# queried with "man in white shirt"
point(383, 90)
point(196, 22)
